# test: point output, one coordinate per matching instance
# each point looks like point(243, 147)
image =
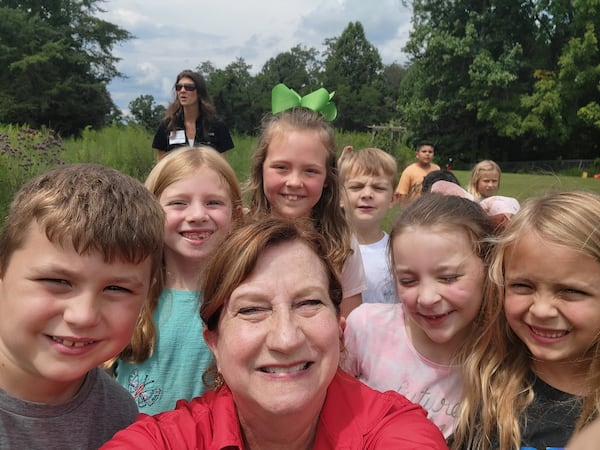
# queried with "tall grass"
point(25, 152)
point(126, 148)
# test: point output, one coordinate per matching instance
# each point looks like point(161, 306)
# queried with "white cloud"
point(180, 34)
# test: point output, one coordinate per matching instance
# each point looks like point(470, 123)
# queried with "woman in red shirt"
point(272, 320)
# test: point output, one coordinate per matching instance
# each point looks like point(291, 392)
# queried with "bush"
point(24, 153)
point(594, 168)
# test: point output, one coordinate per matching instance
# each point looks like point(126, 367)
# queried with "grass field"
point(25, 152)
point(522, 186)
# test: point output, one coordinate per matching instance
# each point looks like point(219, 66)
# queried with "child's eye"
point(114, 288)
point(57, 281)
point(313, 171)
point(520, 288)
point(176, 203)
point(215, 203)
point(407, 282)
point(56, 285)
point(449, 278)
point(573, 294)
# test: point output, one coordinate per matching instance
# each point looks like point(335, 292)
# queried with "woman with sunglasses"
point(191, 119)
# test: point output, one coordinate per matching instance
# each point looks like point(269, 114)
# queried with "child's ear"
point(395, 199)
point(237, 213)
point(342, 195)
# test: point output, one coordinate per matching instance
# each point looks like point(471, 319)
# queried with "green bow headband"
point(283, 98)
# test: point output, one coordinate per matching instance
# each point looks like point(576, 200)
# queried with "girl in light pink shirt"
point(439, 255)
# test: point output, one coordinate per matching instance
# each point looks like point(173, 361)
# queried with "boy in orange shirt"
point(411, 179)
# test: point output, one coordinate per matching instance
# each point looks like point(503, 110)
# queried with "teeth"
point(436, 316)
point(291, 198)
point(549, 334)
point(67, 343)
point(197, 236)
point(295, 368)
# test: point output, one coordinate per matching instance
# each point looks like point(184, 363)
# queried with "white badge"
point(177, 137)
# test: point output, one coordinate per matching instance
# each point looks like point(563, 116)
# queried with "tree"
point(146, 112)
point(470, 63)
point(564, 106)
point(504, 79)
point(234, 94)
point(353, 69)
point(55, 64)
point(299, 69)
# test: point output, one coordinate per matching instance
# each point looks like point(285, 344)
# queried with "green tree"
point(55, 64)
point(504, 79)
point(207, 70)
point(470, 64)
point(146, 112)
point(564, 106)
point(299, 69)
point(353, 69)
point(234, 94)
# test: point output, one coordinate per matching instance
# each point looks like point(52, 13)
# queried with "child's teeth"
point(68, 343)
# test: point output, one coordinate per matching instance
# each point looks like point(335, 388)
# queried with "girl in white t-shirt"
point(439, 255)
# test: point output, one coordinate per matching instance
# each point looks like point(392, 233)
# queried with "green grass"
point(25, 153)
point(523, 186)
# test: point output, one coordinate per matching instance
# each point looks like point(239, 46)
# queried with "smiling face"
point(552, 301)
point(277, 343)
point(440, 281)
point(62, 314)
point(294, 172)
point(199, 212)
point(488, 183)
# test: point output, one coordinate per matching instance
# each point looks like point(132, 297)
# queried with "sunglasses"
point(189, 87)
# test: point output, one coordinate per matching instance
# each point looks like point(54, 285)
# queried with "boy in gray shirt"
point(79, 251)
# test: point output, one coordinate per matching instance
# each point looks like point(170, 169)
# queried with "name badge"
point(177, 137)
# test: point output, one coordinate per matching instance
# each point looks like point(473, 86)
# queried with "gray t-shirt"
point(99, 409)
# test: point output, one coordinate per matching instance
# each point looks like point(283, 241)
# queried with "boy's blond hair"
point(371, 162)
point(91, 207)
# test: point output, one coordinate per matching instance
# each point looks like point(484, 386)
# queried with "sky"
point(173, 35)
